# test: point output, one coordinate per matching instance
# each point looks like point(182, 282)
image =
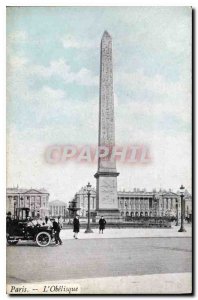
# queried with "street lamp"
point(177, 211)
point(88, 230)
point(182, 229)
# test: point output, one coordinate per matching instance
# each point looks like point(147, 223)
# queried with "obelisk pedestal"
point(106, 176)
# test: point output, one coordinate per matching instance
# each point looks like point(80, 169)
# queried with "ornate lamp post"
point(182, 229)
point(177, 212)
point(88, 230)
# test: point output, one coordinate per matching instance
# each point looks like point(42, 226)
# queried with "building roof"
point(137, 192)
point(57, 203)
point(17, 190)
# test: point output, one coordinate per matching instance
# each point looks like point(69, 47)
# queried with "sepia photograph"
point(99, 150)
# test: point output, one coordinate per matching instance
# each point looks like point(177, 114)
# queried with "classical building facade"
point(82, 201)
point(34, 199)
point(58, 208)
point(143, 203)
point(139, 202)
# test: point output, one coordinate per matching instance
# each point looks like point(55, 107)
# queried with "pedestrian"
point(57, 229)
point(60, 221)
point(102, 223)
point(76, 224)
point(48, 223)
point(46, 219)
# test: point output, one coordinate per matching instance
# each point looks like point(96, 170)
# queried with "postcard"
point(99, 150)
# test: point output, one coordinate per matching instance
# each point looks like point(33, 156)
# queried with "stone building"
point(139, 202)
point(82, 201)
point(34, 199)
point(143, 203)
point(188, 204)
point(58, 208)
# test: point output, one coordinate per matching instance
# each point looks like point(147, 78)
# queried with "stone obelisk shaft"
point(106, 176)
point(106, 112)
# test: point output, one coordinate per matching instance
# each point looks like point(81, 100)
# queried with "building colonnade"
point(37, 202)
point(148, 205)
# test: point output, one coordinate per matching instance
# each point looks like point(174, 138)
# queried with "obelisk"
point(106, 176)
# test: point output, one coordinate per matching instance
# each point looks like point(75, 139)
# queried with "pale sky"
point(53, 58)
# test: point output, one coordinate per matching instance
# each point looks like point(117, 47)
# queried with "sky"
point(53, 61)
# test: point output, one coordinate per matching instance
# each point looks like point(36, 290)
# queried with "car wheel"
point(43, 239)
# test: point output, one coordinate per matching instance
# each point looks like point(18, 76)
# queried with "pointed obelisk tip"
point(106, 35)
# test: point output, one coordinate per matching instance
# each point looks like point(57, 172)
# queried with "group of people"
point(76, 226)
point(57, 225)
point(36, 221)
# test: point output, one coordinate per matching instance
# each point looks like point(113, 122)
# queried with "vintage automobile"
point(21, 228)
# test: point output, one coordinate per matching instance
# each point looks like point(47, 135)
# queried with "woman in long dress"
point(76, 224)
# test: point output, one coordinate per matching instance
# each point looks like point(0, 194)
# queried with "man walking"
point(76, 225)
point(57, 229)
point(102, 223)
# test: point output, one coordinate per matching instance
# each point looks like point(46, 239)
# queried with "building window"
point(150, 203)
point(175, 203)
point(38, 202)
point(166, 203)
point(33, 203)
point(171, 203)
